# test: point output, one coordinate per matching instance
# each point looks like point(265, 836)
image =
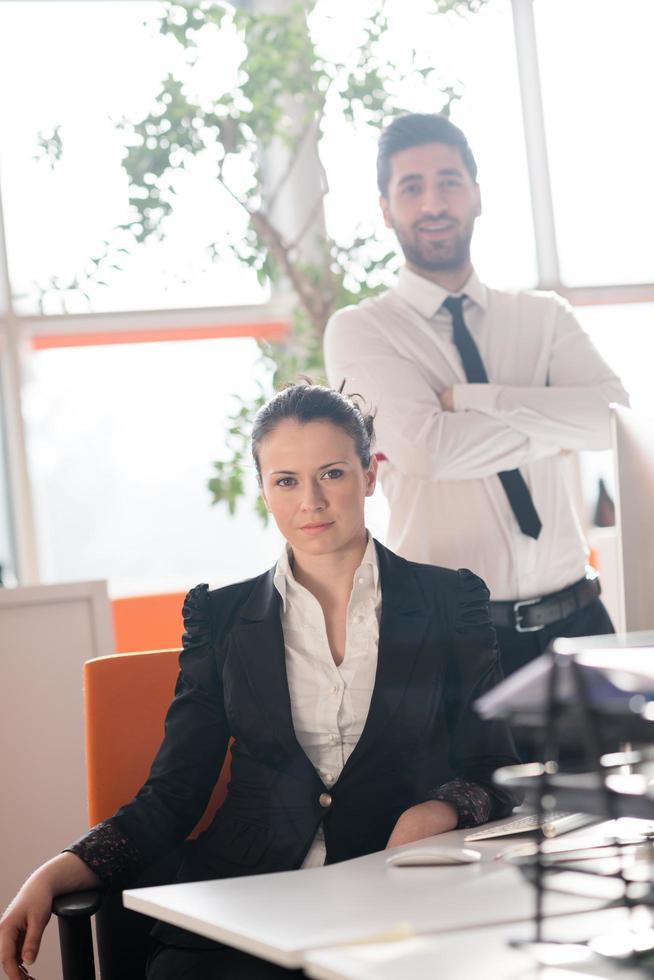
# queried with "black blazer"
point(437, 655)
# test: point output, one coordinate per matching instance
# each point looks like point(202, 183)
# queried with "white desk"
point(483, 953)
point(281, 916)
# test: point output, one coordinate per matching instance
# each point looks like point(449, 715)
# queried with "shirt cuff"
point(476, 398)
point(107, 852)
point(471, 801)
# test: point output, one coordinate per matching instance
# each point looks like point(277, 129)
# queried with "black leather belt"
point(531, 615)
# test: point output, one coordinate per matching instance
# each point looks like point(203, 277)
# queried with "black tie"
point(513, 482)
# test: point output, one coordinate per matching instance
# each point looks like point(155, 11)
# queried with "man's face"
point(431, 205)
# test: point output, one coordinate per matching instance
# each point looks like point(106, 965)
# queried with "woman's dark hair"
point(417, 129)
point(307, 402)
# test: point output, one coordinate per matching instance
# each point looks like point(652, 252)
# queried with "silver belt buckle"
point(518, 617)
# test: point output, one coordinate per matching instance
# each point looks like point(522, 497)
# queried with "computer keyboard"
point(556, 822)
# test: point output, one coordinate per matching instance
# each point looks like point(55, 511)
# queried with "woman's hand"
point(423, 820)
point(22, 925)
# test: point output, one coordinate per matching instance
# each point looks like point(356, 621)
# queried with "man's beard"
point(436, 256)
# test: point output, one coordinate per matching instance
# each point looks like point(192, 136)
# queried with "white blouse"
point(329, 703)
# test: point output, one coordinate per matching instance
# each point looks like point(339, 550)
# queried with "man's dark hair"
point(417, 129)
point(307, 402)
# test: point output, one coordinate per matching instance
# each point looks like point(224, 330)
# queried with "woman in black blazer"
point(420, 761)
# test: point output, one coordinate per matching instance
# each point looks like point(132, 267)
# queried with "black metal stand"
point(589, 719)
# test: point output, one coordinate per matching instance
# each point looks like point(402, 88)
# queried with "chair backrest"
point(147, 622)
point(125, 701)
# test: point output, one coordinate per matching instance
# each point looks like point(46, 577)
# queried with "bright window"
point(85, 68)
point(597, 80)
point(121, 441)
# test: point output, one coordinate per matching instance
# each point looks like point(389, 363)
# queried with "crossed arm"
point(571, 411)
point(471, 431)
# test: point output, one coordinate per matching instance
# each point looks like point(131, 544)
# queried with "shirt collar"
point(284, 580)
point(427, 297)
point(283, 573)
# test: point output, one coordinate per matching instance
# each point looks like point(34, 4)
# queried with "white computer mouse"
point(428, 854)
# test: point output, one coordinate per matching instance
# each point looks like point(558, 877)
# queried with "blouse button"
point(325, 800)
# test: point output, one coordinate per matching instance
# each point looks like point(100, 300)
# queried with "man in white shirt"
point(481, 397)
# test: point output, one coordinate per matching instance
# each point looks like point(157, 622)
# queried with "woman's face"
point(314, 485)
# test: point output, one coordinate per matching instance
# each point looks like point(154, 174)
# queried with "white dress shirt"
point(548, 392)
point(329, 703)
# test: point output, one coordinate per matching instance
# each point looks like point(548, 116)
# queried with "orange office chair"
point(125, 701)
point(147, 622)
